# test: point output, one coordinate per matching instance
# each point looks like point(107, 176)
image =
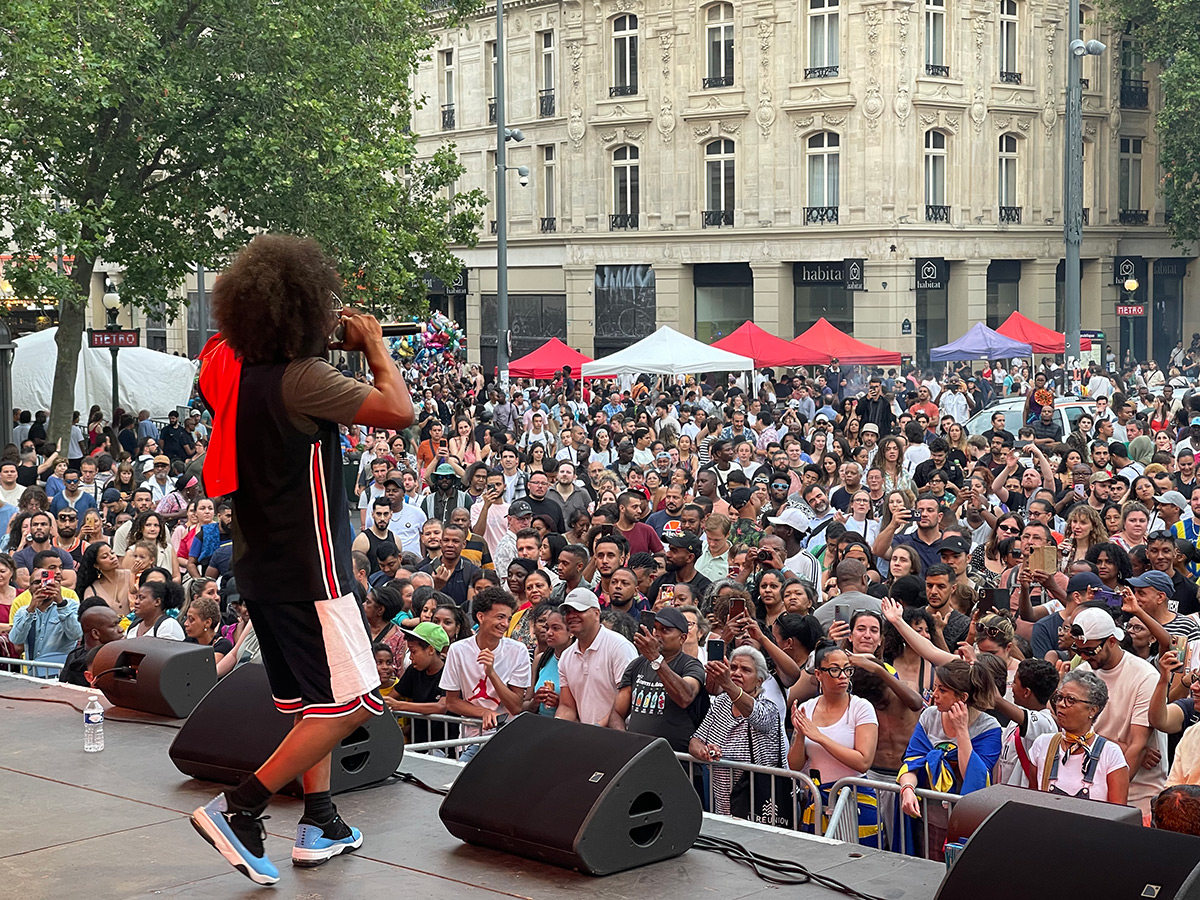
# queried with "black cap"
point(739, 497)
point(520, 509)
point(673, 618)
point(955, 544)
point(687, 541)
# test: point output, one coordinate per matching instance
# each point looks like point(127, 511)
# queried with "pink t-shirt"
point(859, 712)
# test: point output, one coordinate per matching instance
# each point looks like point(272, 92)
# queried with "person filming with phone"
point(48, 626)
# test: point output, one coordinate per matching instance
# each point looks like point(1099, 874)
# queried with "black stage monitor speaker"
point(971, 811)
point(613, 800)
point(236, 727)
point(1026, 851)
point(153, 675)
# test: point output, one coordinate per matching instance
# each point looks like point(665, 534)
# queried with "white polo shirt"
point(593, 674)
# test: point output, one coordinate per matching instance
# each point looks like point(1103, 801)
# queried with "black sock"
point(249, 796)
point(318, 806)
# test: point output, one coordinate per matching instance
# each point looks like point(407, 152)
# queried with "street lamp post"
point(1073, 181)
point(7, 350)
point(112, 305)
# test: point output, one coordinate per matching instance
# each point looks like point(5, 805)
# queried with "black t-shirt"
point(699, 585)
point(550, 508)
point(220, 644)
point(421, 687)
point(651, 711)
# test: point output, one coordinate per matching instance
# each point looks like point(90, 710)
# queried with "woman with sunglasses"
point(986, 565)
point(1076, 761)
point(836, 736)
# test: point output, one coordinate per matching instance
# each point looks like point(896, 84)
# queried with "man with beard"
point(69, 539)
point(817, 502)
point(722, 461)
point(40, 539)
point(538, 486)
point(368, 540)
point(778, 487)
point(569, 497)
point(572, 560)
point(608, 554)
point(591, 668)
point(447, 494)
point(926, 538)
point(666, 521)
point(431, 540)
point(624, 596)
point(691, 519)
point(640, 536)
point(682, 552)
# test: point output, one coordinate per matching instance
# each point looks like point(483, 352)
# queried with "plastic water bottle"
point(93, 725)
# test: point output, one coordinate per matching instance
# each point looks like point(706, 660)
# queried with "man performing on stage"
point(275, 450)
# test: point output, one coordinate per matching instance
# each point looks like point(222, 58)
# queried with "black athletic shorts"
point(318, 656)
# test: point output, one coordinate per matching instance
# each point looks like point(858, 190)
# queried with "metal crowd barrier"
point(843, 821)
point(801, 782)
point(803, 795)
point(33, 664)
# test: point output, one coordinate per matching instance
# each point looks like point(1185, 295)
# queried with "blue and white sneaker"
point(238, 837)
point(317, 844)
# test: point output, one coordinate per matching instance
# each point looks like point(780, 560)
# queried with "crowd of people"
point(823, 572)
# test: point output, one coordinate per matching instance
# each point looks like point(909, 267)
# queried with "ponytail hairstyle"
point(973, 680)
point(824, 648)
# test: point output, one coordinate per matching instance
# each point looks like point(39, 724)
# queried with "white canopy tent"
point(149, 380)
point(667, 352)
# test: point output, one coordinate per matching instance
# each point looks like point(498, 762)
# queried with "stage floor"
point(113, 826)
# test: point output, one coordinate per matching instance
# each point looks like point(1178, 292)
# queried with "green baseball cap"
point(433, 635)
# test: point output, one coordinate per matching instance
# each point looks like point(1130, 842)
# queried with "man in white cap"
point(792, 526)
point(591, 668)
point(1126, 719)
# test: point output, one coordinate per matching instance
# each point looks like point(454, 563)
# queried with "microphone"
point(396, 329)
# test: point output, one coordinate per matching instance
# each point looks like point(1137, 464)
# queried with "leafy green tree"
point(1169, 34)
point(155, 134)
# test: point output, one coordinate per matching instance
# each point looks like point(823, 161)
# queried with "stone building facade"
point(698, 165)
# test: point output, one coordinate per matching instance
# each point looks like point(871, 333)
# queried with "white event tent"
point(150, 380)
point(667, 352)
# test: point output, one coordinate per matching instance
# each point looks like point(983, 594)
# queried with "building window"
point(724, 298)
point(625, 57)
point(1010, 209)
point(1129, 189)
point(719, 39)
point(936, 209)
point(626, 199)
point(719, 183)
point(546, 88)
point(1010, 68)
point(491, 79)
point(823, 42)
point(1135, 91)
point(823, 178)
point(935, 38)
point(447, 90)
point(1003, 290)
point(549, 189)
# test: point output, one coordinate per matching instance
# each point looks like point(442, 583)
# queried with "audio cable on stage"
point(773, 870)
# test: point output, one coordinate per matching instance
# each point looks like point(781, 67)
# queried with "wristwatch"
point(655, 663)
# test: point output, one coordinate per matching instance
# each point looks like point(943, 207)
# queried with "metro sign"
point(1131, 309)
point(100, 339)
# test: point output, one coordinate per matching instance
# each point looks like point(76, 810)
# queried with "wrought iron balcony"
point(1010, 77)
point(820, 215)
point(1010, 215)
point(491, 110)
point(715, 218)
point(546, 103)
point(1134, 216)
point(622, 90)
point(1135, 94)
point(935, 213)
point(821, 72)
point(549, 224)
point(937, 71)
point(447, 116)
point(623, 222)
point(718, 81)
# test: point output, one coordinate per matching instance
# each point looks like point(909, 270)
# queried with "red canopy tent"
point(761, 346)
point(822, 342)
point(1039, 337)
point(547, 361)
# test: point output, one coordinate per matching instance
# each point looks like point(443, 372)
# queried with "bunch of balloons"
point(440, 342)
